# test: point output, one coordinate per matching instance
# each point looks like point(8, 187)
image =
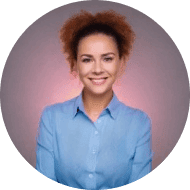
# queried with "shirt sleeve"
point(44, 146)
point(142, 161)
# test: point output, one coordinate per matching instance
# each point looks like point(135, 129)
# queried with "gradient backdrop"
point(36, 74)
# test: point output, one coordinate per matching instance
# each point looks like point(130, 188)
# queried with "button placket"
point(96, 137)
point(94, 147)
point(93, 151)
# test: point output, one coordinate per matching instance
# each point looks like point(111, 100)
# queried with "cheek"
point(112, 69)
point(83, 70)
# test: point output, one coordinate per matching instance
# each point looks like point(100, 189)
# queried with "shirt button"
point(99, 121)
point(90, 176)
point(96, 132)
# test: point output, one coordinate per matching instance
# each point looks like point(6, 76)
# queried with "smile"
point(98, 81)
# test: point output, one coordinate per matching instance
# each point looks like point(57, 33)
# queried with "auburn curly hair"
point(84, 23)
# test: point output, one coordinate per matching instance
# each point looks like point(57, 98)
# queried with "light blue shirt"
point(111, 152)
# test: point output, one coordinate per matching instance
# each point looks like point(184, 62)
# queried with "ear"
point(122, 60)
point(122, 65)
point(75, 69)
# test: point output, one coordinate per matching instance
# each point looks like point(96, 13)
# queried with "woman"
point(94, 141)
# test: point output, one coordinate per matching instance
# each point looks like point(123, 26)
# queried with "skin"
point(98, 65)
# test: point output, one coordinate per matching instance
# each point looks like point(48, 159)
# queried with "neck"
point(94, 104)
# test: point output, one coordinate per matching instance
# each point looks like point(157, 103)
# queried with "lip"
point(98, 81)
point(98, 78)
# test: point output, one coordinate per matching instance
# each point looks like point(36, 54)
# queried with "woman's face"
point(98, 63)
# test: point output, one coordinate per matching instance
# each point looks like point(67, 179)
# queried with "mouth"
point(98, 81)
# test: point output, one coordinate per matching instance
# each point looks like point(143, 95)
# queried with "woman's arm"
point(142, 163)
point(44, 147)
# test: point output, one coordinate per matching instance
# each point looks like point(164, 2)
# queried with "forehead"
point(97, 44)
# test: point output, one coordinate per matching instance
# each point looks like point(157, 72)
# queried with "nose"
point(97, 67)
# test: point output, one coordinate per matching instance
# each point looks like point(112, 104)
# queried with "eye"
point(108, 59)
point(86, 60)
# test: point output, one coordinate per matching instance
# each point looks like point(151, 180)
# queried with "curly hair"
point(84, 23)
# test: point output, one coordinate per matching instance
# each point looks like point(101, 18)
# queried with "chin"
point(98, 91)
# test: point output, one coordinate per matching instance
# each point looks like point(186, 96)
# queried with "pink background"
point(36, 74)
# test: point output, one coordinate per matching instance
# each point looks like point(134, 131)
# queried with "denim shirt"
point(111, 152)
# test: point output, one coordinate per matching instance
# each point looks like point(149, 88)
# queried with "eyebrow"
point(103, 55)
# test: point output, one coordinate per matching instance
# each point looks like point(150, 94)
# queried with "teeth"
point(98, 80)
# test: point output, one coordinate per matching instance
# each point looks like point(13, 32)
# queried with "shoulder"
point(62, 107)
point(132, 111)
point(135, 114)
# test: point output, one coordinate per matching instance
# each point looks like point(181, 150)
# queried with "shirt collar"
point(113, 106)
